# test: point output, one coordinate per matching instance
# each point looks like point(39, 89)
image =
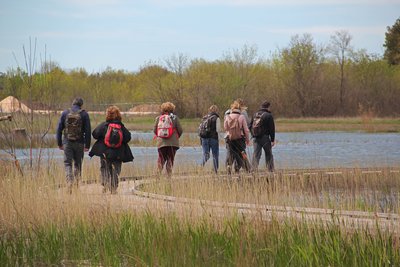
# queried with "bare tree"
point(340, 48)
point(178, 64)
point(35, 126)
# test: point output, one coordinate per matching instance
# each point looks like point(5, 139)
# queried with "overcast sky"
point(126, 34)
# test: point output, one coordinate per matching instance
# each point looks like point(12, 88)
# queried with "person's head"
point(167, 107)
point(235, 105)
point(265, 105)
point(77, 102)
point(113, 114)
point(241, 103)
point(213, 109)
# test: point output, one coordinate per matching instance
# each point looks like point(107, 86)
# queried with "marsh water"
point(292, 150)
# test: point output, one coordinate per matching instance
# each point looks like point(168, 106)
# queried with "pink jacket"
point(242, 123)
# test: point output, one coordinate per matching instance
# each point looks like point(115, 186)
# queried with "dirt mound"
point(154, 108)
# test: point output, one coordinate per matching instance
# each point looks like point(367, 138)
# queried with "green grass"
point(148, 240)
point(41, 225)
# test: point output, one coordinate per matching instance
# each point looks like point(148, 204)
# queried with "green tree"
point(301, 64)
point(392, 43)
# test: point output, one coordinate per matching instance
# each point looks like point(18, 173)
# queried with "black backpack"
point(257, 128)
point(73, 125)
point(205, 127)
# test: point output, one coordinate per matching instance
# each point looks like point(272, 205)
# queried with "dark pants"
point(166, 155)
point(213, 145)
point(73, 155)
point(263, 143)
point(110, 171)
point(237, 154)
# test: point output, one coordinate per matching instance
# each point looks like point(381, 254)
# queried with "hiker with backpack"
point(262, 128)
point(112, 148)
point(167, 130)
point(243, 111)
point(237, 138)
point(75, 124)
point(208, 132)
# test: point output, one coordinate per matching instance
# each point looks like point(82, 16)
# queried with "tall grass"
point(41, 225)
point(350, 190)
point(150, 240)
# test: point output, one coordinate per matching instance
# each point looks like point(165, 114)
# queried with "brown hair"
point(235, 105)
point(167, 107)
point(113, 113)
point(241, 104)
point(213, 108)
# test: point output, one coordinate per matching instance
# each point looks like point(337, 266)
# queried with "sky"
point(128, 34)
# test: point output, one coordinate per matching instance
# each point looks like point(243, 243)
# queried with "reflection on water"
point(293, 150)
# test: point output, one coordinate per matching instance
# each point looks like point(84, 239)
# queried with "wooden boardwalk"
point(130, 196)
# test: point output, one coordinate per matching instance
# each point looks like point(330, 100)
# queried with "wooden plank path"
point(130, 196)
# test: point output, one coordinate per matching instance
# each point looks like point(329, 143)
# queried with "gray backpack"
point(73, 125)
point(257, 128)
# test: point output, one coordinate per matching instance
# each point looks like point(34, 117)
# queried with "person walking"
point(262, 127)
point(243, 111)
point(112, 148)
point(208, 132)
point(75, 124)
point(237, 138)
point(167, 130)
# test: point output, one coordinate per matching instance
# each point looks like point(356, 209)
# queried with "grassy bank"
point(42, 225)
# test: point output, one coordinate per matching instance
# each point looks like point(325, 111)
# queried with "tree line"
point(302, 79)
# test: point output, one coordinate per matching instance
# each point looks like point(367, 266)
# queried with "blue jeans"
point(213, 144)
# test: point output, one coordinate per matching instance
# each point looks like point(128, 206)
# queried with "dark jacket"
point(86, 137)
point(214, 116)
point(268, 124)
point(123, 153)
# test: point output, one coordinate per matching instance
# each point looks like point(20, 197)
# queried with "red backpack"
point(165, 126)
point(114, 136)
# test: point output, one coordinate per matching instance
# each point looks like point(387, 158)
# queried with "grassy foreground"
point(147, 240)
point(41, 225)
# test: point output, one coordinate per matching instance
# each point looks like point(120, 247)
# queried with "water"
point(292, 150)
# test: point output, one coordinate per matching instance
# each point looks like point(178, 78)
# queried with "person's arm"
point(272, 130)
point(245, 128)
point(155, 126)
point(218, 125)
point(100, 131)
point(126, 134)
point(86, 130)
point(226, 128)
point(251, 125)
point(60, 128)
point(178, 126)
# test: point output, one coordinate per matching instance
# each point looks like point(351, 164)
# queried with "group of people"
point(112, 138)
point(238, 129)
